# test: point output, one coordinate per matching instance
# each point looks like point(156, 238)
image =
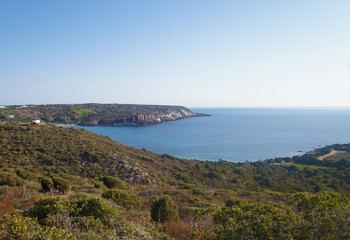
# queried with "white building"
point(36, 122)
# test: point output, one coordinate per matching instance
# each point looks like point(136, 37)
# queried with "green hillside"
point(95, 114)
point(73, 184)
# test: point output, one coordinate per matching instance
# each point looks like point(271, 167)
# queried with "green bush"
point(10, 179)
point(47, 207)
point(93, 207)
point(199, 191)
point(232, 201)
point(26, 175)
point(46, 184)
point(255, 221)
point(50, 207)
point(99, 184)
point(123, 198)
point(19, 227)
point(61, 184)
point(326, 215)
point(113, 182)
point(164, 210)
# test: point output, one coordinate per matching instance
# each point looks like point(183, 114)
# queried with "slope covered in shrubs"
point(72, 184)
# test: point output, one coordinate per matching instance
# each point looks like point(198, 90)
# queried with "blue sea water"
point(239, 134)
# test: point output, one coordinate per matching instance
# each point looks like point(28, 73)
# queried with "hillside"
point(80, 152)
point(95, 114)
point(84, 169)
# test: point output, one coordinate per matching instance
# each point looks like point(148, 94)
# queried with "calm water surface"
point(239, 134)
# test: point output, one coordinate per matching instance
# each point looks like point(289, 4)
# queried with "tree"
point(164, 210)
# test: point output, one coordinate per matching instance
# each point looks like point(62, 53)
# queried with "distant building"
point(2, 106)
point(36, 122)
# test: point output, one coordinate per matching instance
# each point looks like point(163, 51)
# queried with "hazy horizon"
point(195, 107)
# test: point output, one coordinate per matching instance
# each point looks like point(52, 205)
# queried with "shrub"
point(93, 206)
point(51, 207)
point(19, 227)
point(61, 184)
point(255, 221)
point(123, 198)
point(46, 184)
point(199, 191)
point(48, 206)
point(326, 215)
point(99, 184)
point(189, 186)
point(164, 210)
point(26, 174)
point(10, 179)
point(113, 182)
point(232, 201)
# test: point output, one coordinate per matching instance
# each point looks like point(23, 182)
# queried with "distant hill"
point(95, 114)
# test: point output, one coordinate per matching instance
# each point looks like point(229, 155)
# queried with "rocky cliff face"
point(144, 119)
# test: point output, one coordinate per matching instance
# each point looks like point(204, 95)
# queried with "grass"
point(302, 166)
point(339, 157)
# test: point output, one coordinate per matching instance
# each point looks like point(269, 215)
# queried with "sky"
point(195, 53)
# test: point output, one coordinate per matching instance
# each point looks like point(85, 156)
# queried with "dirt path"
point(333, 152)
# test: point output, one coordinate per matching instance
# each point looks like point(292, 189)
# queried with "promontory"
point(93, 114)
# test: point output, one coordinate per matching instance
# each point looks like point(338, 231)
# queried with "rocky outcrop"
point(130, 171)
point(144, 119)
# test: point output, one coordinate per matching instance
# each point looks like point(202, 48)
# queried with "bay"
point(239, 134)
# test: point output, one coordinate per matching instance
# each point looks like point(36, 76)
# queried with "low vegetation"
point(66, 183)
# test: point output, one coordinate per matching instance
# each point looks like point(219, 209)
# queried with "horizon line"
point(222, 107)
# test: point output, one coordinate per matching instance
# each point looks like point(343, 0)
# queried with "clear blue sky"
point(193, 53)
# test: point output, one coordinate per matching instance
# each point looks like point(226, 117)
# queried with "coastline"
point(92, 114)
point(134, 120)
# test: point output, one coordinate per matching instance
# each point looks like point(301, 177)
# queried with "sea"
point(239, 134)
